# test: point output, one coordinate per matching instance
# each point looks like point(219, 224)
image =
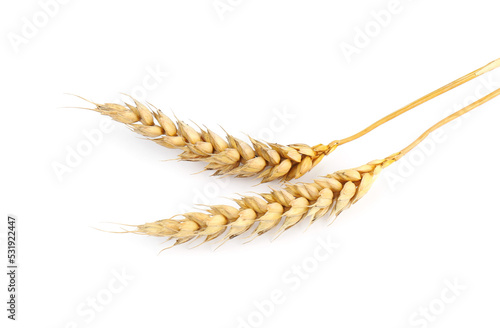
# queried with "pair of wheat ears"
point(285, 207)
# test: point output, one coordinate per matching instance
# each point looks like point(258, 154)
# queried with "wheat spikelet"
point(230, 156)
point(284, 208)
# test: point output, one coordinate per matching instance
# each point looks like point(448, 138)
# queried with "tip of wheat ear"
point(225, 156)
point(281, 209)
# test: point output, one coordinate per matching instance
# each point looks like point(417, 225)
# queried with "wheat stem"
point(447, 120)
point(466, 78)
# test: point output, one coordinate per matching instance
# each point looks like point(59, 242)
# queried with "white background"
point(430, 221)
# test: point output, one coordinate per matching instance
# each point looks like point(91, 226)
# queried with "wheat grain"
point(288, 206)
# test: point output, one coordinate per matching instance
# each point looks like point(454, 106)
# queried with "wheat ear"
point(267, 161)
point(230, 156)
point(288, 206)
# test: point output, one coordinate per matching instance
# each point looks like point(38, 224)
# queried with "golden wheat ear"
point(232, 156)
point(260, 214)
point(224, 156)
point(284, 208)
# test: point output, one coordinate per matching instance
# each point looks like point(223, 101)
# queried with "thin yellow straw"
point(444, 121)
point(489, 67)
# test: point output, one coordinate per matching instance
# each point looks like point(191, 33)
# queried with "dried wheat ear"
point(232, 156)
point(288, 206)
point(226, 156)
point(284, 208)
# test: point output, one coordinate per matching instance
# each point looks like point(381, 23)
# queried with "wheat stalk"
point(288, 206)
point(267, 161)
